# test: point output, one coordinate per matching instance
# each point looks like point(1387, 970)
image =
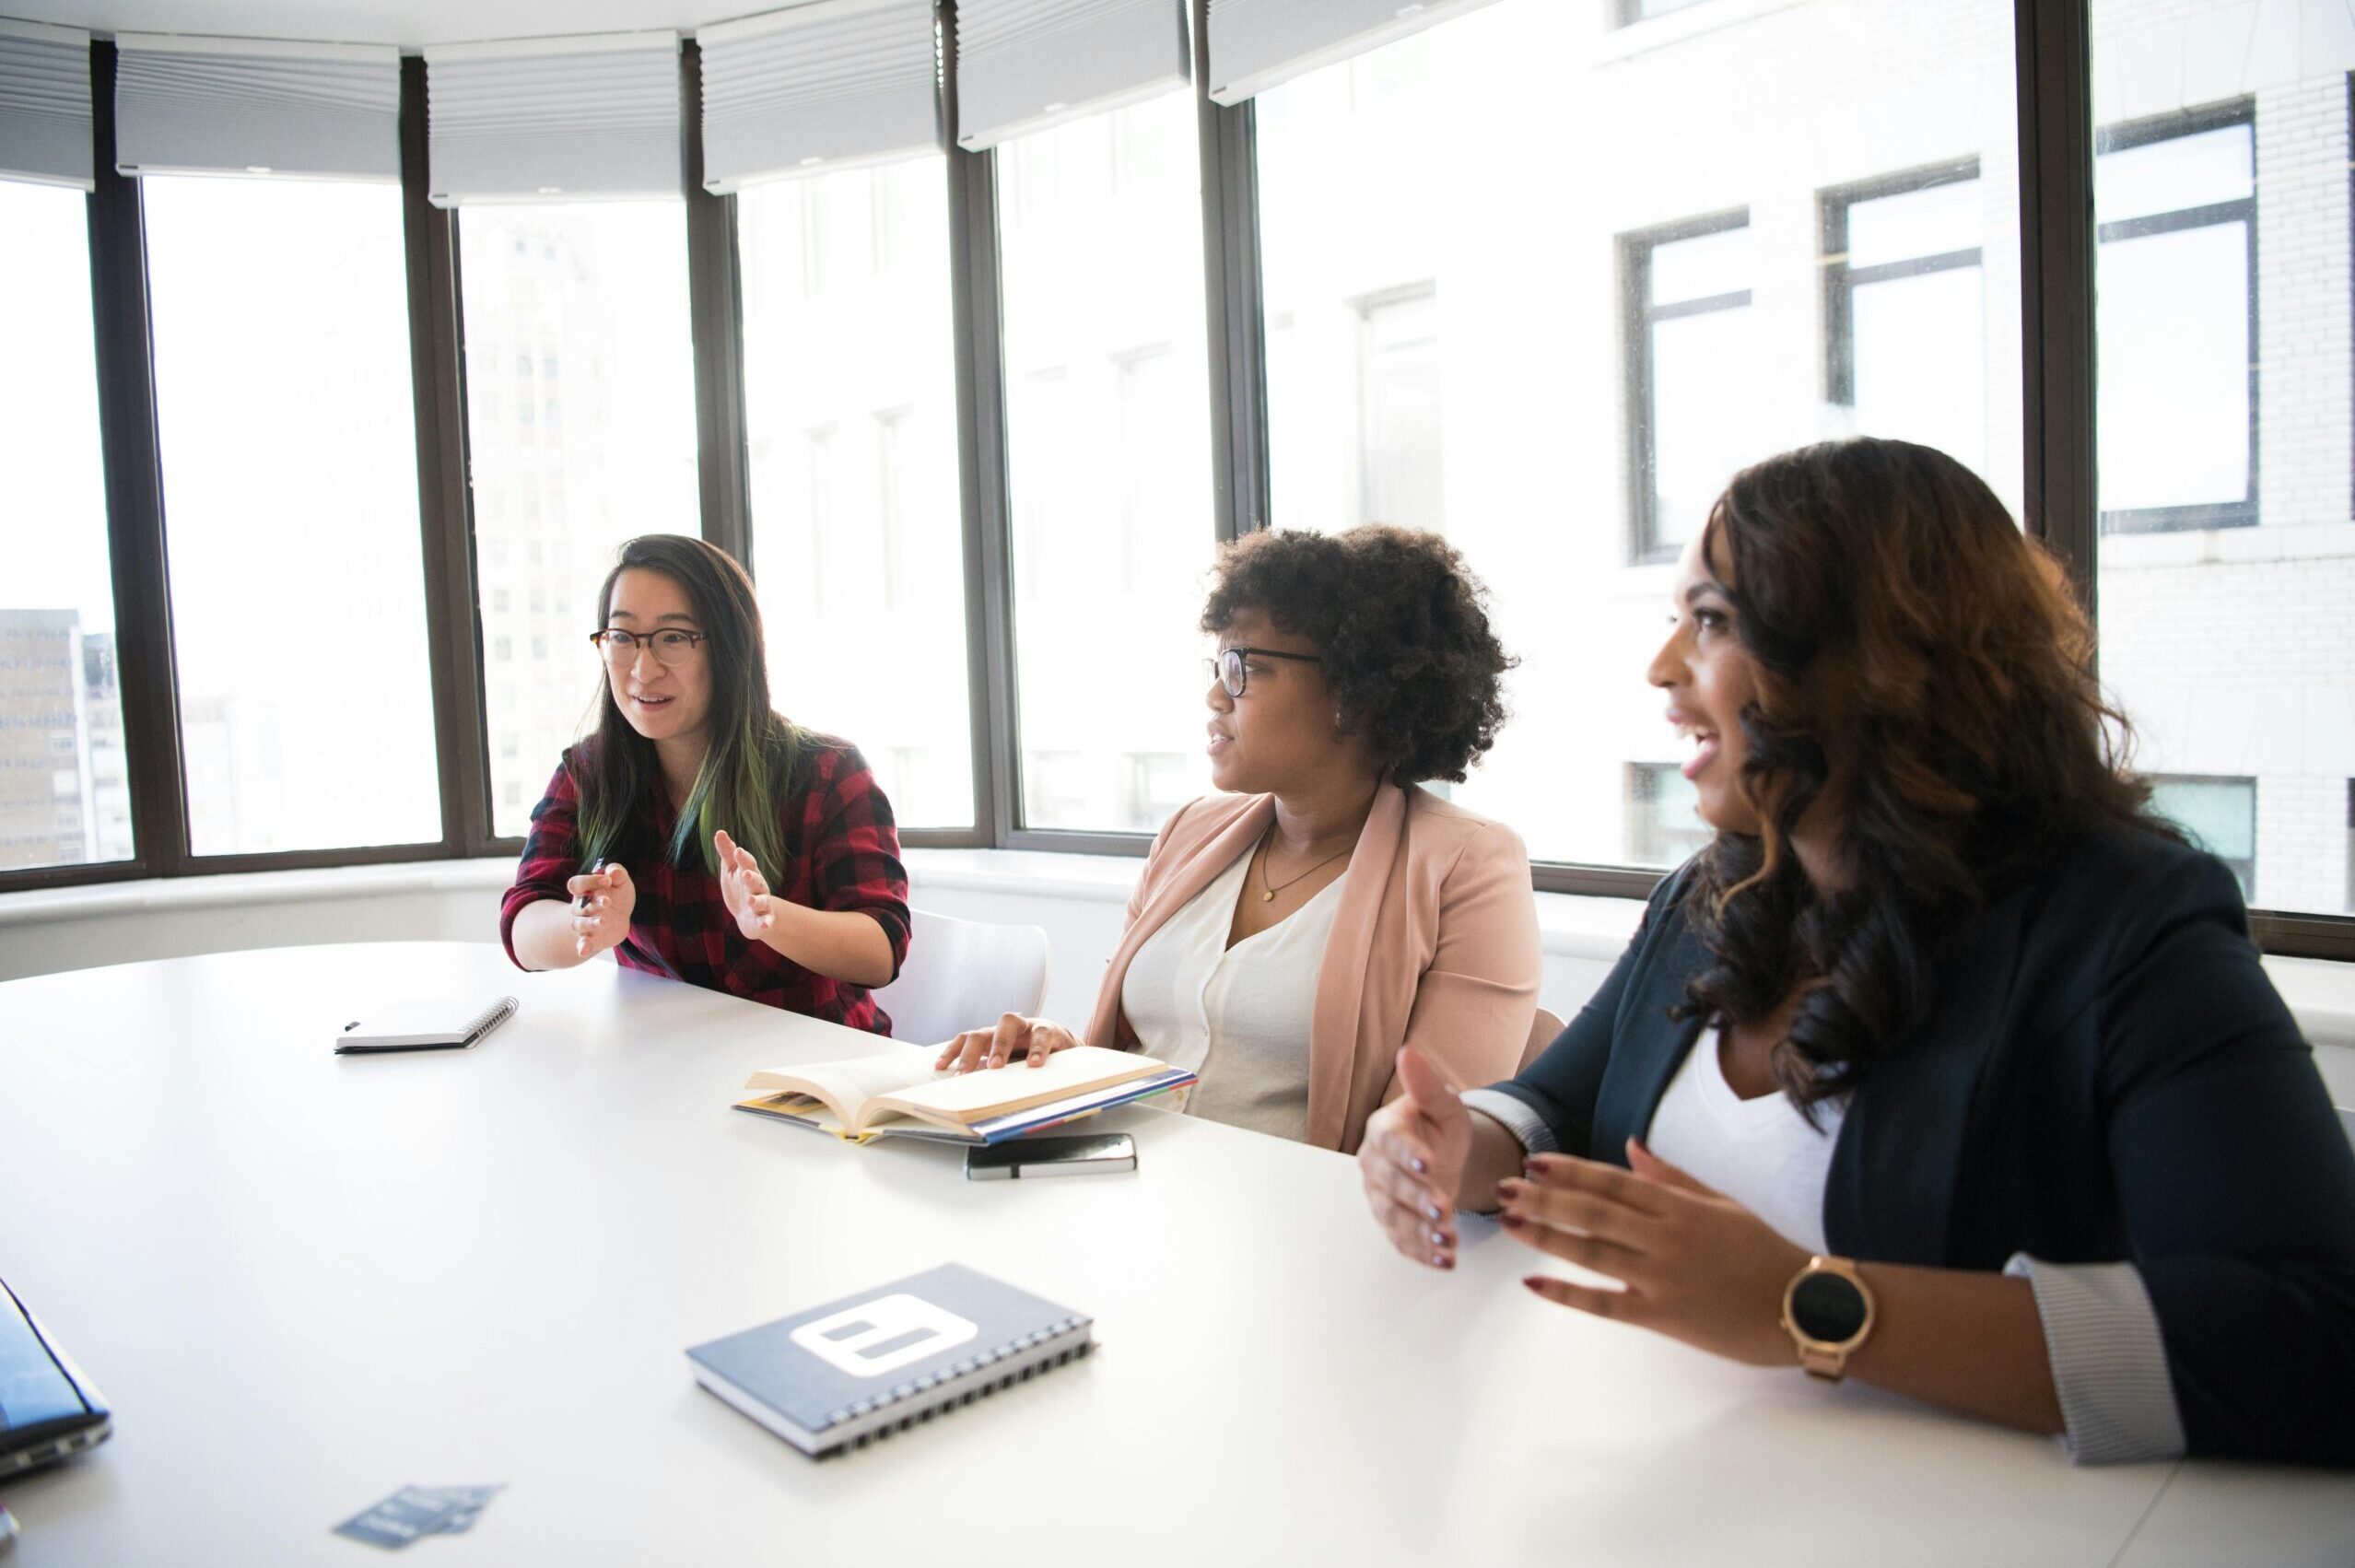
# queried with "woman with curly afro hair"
point(1947, 1066)
point(1291, 934)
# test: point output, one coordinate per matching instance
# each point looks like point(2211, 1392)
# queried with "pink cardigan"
point(1435, 945)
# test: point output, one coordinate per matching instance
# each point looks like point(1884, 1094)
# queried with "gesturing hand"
point(742, 889)
point(601, 902)
point(1411, 1159)
point(1034, 1039)
point(1698, 1266)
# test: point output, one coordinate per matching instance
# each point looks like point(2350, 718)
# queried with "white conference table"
point(305, 1280)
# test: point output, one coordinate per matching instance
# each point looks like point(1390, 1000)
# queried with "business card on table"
point(415, 1511)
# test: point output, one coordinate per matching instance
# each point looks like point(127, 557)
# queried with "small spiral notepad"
point(840, 1375)
point(439, 1025)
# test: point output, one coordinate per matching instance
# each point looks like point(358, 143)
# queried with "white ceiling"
point(407, 22)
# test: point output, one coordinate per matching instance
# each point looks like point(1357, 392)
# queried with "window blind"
point(822, 85)
point(1258, 44)
point(1025, 64)
point(45, 104)
point(256, 105)
point(596, 116)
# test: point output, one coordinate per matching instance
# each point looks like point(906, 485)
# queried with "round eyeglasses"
point(673, 647)
point(1229, 671)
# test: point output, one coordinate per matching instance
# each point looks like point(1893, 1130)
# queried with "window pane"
point(580, 415)
point(1610, 334)
point(2174, 322)
point(1101, 271)
point(283, 402)
point(2227, 433)
point(850, 414)
point(64, 786)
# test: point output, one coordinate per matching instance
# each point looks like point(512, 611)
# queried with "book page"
point(971, 1096)
point(847, 1087)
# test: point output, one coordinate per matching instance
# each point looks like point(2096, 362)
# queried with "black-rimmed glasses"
point(673, 647)
point(1228, 669)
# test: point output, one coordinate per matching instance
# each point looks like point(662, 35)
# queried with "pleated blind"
point(1258, 44)
point(824, 86)
point(260, 106)
point(45, 104)
point(1023, 65)
point(596, 116)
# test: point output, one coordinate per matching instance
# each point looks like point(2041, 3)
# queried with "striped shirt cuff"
point(2109, 1364)
point(1515, 1117)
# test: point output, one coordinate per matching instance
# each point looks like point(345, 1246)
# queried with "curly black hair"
point(1401, 625)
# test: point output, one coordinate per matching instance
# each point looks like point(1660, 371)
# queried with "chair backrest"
point(1542, 1032)
point(2347, 1121)
point(963, 974)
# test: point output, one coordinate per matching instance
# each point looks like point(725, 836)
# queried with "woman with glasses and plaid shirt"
point(1289, 935)
point(766, 862)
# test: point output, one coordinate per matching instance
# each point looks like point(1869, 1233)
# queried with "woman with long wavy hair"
point(766, 862)
point(1946, 1065)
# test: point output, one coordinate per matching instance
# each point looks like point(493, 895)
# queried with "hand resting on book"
point(1034, 1039)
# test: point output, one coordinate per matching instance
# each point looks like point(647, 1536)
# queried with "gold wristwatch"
point(1829, 1313)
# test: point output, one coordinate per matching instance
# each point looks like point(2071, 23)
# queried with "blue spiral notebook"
point(840, 1375)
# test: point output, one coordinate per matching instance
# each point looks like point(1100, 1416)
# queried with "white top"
point(347, 1273)
point(1761, 1152)
point(1238, 1015)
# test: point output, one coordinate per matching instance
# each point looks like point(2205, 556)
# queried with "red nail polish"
point(1531, 1282)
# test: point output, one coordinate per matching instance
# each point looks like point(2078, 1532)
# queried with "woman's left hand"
point(1698, 1266)
point(743, 889)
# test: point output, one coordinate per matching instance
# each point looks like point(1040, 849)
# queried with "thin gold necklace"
point(1272, 889)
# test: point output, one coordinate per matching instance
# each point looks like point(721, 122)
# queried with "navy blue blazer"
point(2103, 1073)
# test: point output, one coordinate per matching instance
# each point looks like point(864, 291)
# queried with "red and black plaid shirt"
point(841, 852)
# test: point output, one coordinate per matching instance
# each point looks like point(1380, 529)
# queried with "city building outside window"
point(2220, 815)
point(590, 296)
point(858, 532)
point(62, 751)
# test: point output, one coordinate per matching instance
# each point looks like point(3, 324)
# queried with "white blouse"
point(1238, 1016)
point(1761, 1152)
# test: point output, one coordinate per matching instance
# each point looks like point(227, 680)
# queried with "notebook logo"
point(882, 1335)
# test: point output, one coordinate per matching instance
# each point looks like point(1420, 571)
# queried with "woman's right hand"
point(1411, 1160)
point(601, 902)
point(1035, 1039)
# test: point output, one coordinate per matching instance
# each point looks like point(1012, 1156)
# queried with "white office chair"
point(1542, 1032)
point(961, 974)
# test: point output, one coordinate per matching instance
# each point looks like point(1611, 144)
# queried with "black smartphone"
point(1081, 1155)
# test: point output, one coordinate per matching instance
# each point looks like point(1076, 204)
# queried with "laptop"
point(48, 1409)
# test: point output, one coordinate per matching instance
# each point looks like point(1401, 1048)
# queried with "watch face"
point(1828, 1307)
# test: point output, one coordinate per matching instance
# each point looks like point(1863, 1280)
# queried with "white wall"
point(1079, 899)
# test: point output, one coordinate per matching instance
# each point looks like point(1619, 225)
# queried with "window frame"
point(2058, 248)
point(2125, 136)
point(1637, 369)
point(1841, 280)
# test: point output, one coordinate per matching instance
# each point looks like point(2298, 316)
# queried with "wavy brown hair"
point(1926, 665)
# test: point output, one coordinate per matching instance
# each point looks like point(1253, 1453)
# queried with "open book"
point(902, 1096)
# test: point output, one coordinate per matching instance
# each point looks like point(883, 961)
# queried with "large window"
point(851, 425)
point(285, 413)
point(1547, 297)
point(1108, 462)
point(2175, 198)
point(1905, 308)
point(581, 425)
point(64, 790)
point(2226, 434)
